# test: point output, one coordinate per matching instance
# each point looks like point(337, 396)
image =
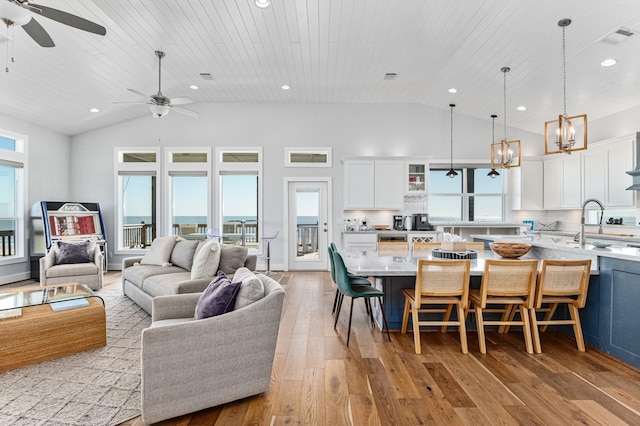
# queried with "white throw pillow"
point(160, 251)
point(251, 289)
point(206, 262)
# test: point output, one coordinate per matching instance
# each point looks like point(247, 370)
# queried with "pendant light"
point(566, 134)
point(493, 173)
point(505, 154)
point(452, 173)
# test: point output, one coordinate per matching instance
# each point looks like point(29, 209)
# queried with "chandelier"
point(505, 154)
point(566, 134)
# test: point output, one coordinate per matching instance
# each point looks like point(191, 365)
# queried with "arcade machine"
point(53, 221)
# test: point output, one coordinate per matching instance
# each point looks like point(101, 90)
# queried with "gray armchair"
point(189, 365)
point(84, 273)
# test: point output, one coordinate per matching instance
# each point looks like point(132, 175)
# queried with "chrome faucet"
point(587, 201)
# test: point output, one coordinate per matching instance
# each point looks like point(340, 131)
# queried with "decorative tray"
point(469, 254)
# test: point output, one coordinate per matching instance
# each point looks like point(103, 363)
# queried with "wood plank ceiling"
point(327, 51)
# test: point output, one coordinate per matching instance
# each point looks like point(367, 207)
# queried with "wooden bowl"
point(510, 250)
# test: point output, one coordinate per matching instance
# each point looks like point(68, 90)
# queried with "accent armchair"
point(189, 365)
point(89, 273)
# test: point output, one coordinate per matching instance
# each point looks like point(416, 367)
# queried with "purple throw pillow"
point(72, 253)
point(218, 298)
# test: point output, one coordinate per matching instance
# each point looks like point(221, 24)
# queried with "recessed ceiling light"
point(608, 62)
point(193, 87)
point(285, 87)
point(453, 90)
point(521, 108)
point(262, 4)
point(94, 110)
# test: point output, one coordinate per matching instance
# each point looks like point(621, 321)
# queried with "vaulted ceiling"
point(327, 51)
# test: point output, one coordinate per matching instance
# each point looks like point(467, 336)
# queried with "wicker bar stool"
point(512, 284)
point(561, 282)
point(438, 282)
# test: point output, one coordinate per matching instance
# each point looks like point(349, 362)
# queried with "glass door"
point(308, 226)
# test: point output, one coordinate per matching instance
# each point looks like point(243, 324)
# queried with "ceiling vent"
point(619, 35)
point(390, 76)
point(206, 76)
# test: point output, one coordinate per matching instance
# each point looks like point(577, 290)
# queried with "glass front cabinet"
point(417, 175)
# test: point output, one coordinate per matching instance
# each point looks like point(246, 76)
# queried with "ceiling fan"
point(160, 104)
point(19, 12)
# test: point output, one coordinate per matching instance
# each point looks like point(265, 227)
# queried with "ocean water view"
point(132, 220)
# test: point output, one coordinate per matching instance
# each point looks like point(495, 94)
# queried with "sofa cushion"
point(205, 264)
point(72, 269)
point(232, 258)
point(164, 284)
point(251, 288)
point(160, 251)
point(218, 298)
point(76, 252)
point(137, 274)
point(183, 252)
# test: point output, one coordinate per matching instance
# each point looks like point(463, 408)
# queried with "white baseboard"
point(8, 279)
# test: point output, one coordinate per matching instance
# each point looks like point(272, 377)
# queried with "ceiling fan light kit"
point(566, 134)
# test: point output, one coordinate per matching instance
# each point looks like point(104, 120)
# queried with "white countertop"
point(617, 250)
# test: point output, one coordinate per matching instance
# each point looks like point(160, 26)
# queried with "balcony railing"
point(139, 236)
point(307, 239)
point(8, 239)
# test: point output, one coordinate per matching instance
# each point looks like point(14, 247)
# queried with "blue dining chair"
point(355, 281)
point(346, 289)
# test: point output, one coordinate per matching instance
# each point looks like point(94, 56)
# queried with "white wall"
point(352, 130)
point(48, 177)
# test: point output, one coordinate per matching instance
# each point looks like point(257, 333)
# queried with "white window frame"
point(184, 169)
point(19, 160)
point(146, 169)
point(288, 151)
point(239, 168)
point(465, 194)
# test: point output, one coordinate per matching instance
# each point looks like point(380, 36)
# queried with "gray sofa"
point(171, 272)
point(189, 365)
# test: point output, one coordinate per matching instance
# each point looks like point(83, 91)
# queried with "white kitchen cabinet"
point(389, 181)
point(360, 241)
point(562, 182)
point(525, 185)
point(620, 160)
point(571, 181)
point(594, 162)
point(604, 172)
point(417, 177)
point(553, 184)
point(359, 178)
point(374, 184)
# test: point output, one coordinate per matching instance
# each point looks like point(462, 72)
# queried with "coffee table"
point(32, 331)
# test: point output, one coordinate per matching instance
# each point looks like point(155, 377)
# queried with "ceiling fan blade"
point(132, 102)
point(181, 101)
point(38, 33)
point(68, 19)
point(185, 111)
point(137, 92)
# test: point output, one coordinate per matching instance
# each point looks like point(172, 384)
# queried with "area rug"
point(100, 387)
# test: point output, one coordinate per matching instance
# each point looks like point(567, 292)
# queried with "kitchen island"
point(609, 320)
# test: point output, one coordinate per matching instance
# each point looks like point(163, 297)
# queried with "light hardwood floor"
point(318, 381)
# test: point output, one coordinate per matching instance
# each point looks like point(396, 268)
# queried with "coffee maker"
point(421, 222)
point(398, 222)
